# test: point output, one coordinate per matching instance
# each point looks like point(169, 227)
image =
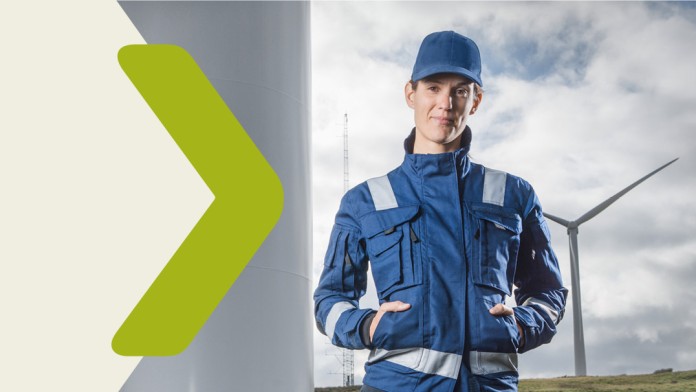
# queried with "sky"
point(581, 99)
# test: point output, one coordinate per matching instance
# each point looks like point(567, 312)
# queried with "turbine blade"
point(556, 219)
point(593, 212)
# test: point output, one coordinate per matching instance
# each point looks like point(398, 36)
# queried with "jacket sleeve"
point(343, 281)
point(540, 294)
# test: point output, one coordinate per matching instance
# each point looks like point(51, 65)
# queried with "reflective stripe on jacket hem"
point(446, 364)
point(486, 363)
point(382, 193)
point(336, 310)
point(421, 360)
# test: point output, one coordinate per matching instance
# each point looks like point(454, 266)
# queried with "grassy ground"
point(660, 382)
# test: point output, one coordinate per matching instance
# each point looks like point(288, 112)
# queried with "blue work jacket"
point(450, 237)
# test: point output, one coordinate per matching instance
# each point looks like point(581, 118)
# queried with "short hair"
point(477, 88)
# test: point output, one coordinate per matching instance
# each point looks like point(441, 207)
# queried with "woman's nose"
point(445, 101)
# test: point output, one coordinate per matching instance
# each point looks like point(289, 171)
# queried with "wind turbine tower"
point(572, 226)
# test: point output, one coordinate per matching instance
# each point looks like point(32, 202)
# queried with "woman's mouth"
point(444, 120)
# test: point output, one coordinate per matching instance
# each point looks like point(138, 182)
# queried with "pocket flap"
point(383, 220)
point(501, 217)
point(380, 244)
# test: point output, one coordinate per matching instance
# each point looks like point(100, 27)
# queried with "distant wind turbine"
point(579, 339)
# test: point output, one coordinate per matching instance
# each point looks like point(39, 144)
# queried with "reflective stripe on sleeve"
point(544, 305)
point(336, 310)
point(382, 193)
point(494, 186)
point(421, 360)
point(486, 363)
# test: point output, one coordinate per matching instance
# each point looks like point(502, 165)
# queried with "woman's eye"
point(462, 92)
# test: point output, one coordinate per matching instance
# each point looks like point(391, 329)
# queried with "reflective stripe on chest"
point(382, 193)
point(384, 198)
point(494, 187)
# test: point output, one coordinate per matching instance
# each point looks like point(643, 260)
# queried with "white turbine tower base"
point(572, 226)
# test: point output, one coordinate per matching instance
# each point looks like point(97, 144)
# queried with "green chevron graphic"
point(248, 202)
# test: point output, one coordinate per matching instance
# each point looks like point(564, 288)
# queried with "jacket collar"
point(410, 141)
point(417, 162)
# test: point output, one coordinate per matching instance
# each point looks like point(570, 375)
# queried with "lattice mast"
point(345, 153)
point(348, 357)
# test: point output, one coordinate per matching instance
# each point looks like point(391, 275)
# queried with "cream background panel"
point(95, 196)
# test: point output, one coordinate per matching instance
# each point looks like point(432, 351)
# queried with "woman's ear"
point(408, 94)
point(477, 102)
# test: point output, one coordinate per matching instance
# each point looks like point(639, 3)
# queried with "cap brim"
point(446, 69)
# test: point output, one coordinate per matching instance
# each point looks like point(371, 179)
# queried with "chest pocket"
point(496, 242)
point(392, 245)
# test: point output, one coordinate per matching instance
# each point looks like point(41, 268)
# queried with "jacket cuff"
point(536, 329)
point(365, 329)
point(348, 329)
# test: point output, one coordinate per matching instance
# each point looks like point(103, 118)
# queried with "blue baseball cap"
point(447, 51)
